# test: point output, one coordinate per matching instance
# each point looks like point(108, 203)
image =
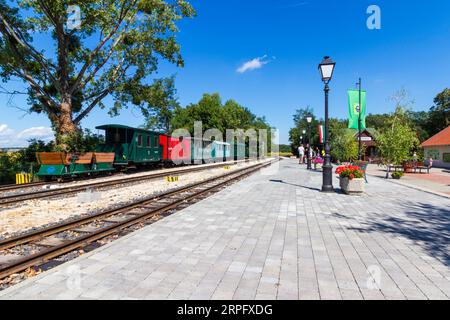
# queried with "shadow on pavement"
point(336, 190)
point(425, 224)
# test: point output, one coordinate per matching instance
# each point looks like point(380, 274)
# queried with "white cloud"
point(254, 64)
point(36, 132)
point(11, 138)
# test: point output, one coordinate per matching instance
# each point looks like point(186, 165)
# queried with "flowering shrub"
point(318, 160)
point(351, 172)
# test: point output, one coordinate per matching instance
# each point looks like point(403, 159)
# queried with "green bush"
point(10, 164)
point(397, 175)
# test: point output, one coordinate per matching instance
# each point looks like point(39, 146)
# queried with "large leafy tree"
point(439, 118)
point(215, 115)
point(158, 103)
point(208, 110)
point(300, 124)
point(112, 53)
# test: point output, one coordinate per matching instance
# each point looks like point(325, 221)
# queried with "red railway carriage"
point(176, 150)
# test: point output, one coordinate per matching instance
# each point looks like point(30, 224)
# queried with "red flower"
point(352, 176)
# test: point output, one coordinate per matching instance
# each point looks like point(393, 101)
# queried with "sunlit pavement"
point(272, 236)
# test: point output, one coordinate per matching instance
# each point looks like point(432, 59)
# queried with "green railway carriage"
point(132, 146)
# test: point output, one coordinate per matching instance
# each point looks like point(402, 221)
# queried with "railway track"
point(39, 194)
point(13, 187)
point(53, 241)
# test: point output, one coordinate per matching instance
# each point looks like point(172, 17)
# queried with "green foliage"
point(344, 147)
point(398, 140)
point(284, 148)
point(439, 117)
point(80, 142)
point(10, 164)
point(397, 174)
point(158, 103)
point(113, 53)
point(301, 124)
point(215, 115)
point(29, 154)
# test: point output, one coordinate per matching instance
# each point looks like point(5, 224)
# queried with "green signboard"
point(354, 109)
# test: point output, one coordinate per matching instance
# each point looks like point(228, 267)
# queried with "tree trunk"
point(65, 126)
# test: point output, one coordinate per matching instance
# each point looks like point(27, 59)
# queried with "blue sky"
point(292, 36)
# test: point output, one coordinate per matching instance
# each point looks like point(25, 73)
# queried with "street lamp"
point(326, 68)
point(308, 156)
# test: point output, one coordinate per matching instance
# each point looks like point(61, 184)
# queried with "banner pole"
point(359, 122)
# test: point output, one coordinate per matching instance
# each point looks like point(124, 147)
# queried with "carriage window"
point(156, 142)
point(140, 140)
point(117, 137)
point(148, 142)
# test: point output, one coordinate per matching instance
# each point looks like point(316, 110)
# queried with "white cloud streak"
point(11, 138)
point(253, 64)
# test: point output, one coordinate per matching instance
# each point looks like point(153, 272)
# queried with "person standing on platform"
point(301, 154)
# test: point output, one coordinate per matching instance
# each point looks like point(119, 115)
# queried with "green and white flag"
point(354, 109)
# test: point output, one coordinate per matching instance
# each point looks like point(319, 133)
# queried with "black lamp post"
point(309, 120)
point(326, 68)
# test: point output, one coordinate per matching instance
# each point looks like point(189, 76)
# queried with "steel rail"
point(194, 190)
point(14, 198)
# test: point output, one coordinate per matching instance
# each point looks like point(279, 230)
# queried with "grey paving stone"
point(273, 239)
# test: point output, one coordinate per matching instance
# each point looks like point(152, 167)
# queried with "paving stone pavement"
point(272, 236)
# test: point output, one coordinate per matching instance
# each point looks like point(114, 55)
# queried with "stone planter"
point(355, 186)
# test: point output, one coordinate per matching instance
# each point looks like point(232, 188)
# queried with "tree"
point(208, 110)
point(439, 118)
point(376, 121)
point(160, 103)
point(399, 138)
point(215, 115)
point(113, 52)
point(344, 146)
point(301, 124)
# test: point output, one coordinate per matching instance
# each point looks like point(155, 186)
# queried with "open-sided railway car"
point(61, 164)
point(132, 146)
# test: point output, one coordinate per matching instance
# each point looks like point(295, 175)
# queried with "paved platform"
point(437, 181)
point(272, 237)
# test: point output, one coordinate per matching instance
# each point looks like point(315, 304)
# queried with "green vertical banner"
point(354, 109)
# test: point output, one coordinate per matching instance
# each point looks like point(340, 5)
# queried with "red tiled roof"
point(440, 139)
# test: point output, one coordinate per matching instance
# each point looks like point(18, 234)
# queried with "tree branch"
point(100, 95)
point(8, 31)
point(123, 13)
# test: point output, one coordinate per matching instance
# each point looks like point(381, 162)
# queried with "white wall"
point(439, 152)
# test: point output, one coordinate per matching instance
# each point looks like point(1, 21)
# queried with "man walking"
point(301, 154)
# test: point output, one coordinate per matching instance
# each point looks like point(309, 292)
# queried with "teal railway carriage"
point(132, 146)
point(239, 151)
point(220, 151)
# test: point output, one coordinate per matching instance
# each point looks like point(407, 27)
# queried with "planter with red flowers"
point(351, 179)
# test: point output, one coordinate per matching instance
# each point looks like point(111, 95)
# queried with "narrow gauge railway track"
point(112, 222)
point(39, 194)
point(11, 187)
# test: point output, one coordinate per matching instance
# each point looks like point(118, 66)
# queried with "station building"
point(369, 143)
point(438, 149)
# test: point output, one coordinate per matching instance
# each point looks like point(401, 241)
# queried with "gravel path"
point(33, 214)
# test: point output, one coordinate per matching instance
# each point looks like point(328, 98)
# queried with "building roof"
point(372, 132)
point(440, 139)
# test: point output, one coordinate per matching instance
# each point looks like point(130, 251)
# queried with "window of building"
point(156, 142)
point(446, 157)
point(434, 154)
